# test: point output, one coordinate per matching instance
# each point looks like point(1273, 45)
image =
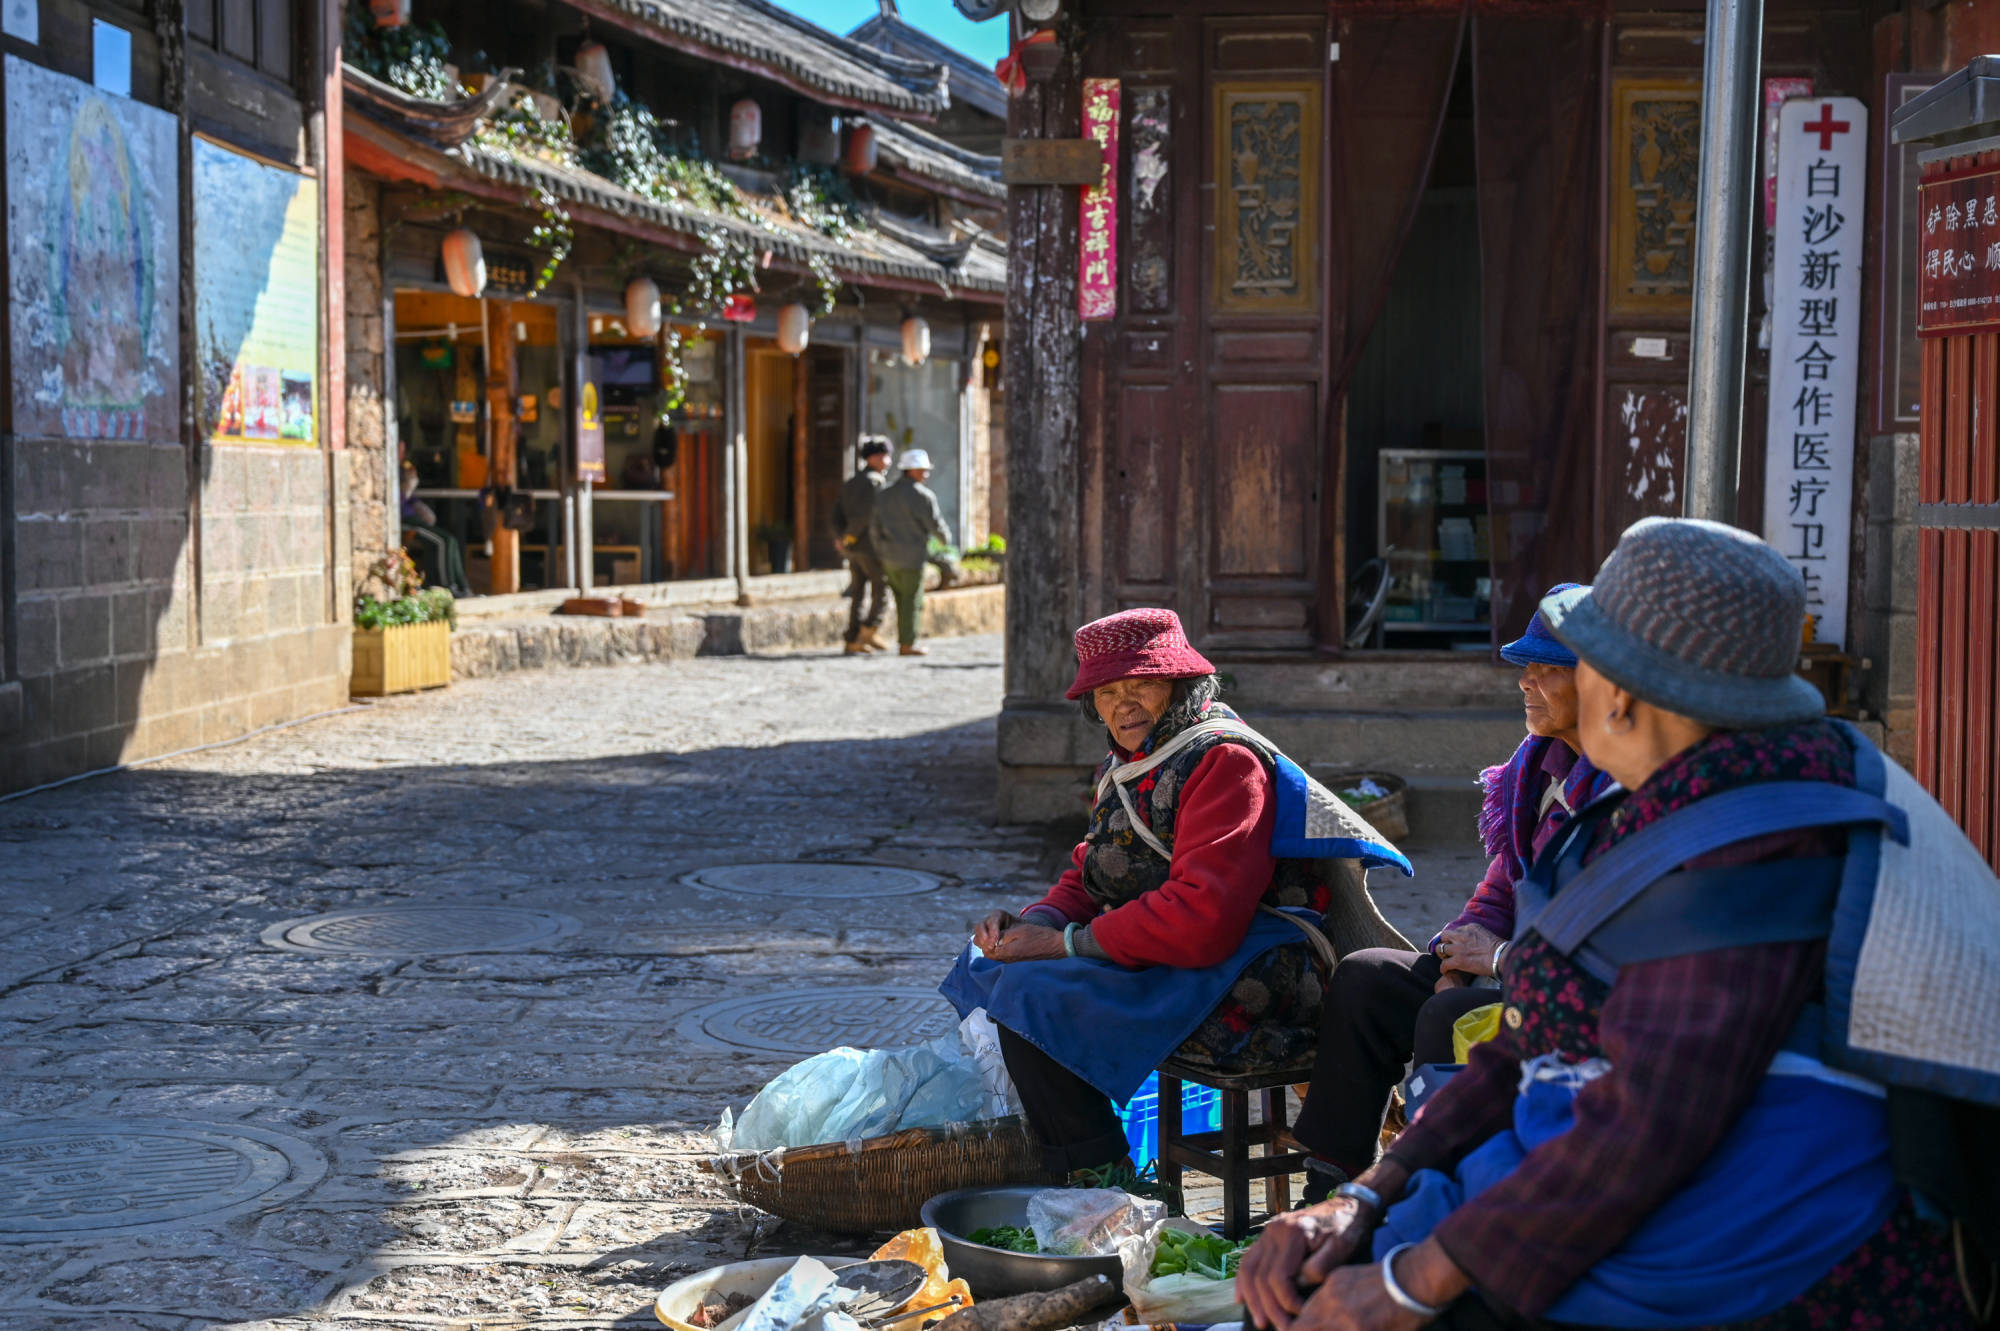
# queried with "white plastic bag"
point(981, 1040)
point(1175, 1298)
point(1090, 1222)
point(851, 1094)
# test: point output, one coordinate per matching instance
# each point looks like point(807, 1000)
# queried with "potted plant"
point(402, 630)
point(777, 539)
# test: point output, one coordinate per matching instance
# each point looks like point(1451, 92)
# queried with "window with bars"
point(259, 33)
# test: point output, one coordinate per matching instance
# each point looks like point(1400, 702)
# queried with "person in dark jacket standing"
point(906, 518)
point(853, 517)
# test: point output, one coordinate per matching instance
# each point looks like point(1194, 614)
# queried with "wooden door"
point(1203, 415)
point(829, 447)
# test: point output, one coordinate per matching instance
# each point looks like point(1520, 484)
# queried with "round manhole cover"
point(420, 930)
point(812, 1021)
point(795, 879)
point(122, 1176)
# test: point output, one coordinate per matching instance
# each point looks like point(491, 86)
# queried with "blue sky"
point(984, 42)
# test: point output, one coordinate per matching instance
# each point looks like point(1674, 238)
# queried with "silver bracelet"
point(1498, 953)
point(1397, 1294)
point(1362, 1193)
point(1069, 940)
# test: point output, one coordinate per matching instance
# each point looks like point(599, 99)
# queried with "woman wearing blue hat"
point(1383, 1005)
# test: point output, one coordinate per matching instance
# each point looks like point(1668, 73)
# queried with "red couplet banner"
point(1097, 225)
point(1958, 253)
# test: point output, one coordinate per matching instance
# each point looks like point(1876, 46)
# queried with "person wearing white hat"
point(905, 521)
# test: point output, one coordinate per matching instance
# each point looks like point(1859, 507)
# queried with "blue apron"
point(1108, 1024)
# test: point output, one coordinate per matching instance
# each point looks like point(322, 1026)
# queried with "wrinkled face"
point(1548, 696)
point(1130, 708)
point(918, 474)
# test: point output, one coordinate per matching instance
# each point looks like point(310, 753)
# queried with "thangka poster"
point(256, 272)
point(93, 239)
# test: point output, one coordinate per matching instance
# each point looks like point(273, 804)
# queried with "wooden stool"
point(1233, 1164)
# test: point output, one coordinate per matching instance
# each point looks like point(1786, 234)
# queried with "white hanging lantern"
point(862, 150)
point(464, 263)
point(916, 340)
point(642, 307)
point(593, 71)
point(746, 129)
point(794, 329)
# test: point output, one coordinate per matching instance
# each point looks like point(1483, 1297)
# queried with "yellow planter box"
point(401, 658)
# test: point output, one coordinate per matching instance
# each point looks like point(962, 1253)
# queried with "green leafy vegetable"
point(1009, 1238)
point(1209, 1256)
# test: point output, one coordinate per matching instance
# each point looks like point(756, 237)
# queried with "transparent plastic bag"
point(981, 1040)
point(852, 1094)
point(1090, 1222)
point(1157, 1300)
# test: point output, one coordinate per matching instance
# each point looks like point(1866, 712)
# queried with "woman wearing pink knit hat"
point(1188, 924)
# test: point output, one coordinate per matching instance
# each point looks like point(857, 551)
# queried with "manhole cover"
point(121, 1176)
point(420, 930)
point(793, 879)
point(812, 1021)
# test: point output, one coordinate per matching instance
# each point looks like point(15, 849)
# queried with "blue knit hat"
point(1538, 646)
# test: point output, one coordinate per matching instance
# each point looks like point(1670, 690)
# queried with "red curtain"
point(1537, 96)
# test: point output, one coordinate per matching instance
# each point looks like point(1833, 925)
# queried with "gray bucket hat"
point(1696, 617)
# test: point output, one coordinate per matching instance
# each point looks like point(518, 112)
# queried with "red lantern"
point(739, 308)
point(862, 150)
point(389, 13)
point(464, 263)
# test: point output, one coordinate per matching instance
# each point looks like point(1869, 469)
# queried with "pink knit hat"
point(1134, 644)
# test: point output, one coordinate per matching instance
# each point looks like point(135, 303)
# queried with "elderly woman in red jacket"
point(1187, 896)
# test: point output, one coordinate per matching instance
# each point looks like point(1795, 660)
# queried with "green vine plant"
point(726, 265)
point(673, 373)
point(828, 282)
point(521, 130)
point(820, 197)
point(410, 59)
point(627, 145)
point(553, 235)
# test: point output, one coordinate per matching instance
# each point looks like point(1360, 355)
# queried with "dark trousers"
point(1077, 1126)
point(864, 578)
point(1379, 1010)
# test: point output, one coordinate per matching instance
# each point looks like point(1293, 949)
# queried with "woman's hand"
point(1355, 1298)
point(1294, 1251)
point(1028, 942)
point(1469, 948)
point(988, 933)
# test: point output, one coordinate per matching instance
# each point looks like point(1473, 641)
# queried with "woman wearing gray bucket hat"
point(1679, 1124)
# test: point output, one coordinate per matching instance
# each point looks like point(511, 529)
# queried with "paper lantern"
point(916, 340)
point(794, 329)
point(746, 130)
point(862, 150)
point(593, 71)
point(642, 307)
point(464, 263)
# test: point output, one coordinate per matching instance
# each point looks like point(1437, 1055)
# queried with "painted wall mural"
point(256, 273)
point(93, 241)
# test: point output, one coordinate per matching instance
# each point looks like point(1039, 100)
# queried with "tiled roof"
point(791, 50)
point(919, 153)
point(972, 83)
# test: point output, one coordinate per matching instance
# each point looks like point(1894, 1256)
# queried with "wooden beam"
point(801, 493)
point(503, 472)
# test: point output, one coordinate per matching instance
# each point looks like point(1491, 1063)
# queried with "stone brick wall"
point(1889, 605)
point(370, 507)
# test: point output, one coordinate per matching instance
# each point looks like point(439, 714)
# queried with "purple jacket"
point(1515, 826)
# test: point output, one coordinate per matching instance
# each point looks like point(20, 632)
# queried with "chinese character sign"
point(1097, 229)
point(1958, 253)
point(1816, 347)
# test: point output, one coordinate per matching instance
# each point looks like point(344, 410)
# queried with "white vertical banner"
point(1816, 347)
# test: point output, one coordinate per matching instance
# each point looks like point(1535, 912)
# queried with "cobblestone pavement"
point(481, 1106)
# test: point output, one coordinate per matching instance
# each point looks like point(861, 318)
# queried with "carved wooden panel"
point(1267, 143)
point(1149, 272)
point(1655, 177)
point(1263, 464)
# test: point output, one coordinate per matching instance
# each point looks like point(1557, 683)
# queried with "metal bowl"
point(994, 1272)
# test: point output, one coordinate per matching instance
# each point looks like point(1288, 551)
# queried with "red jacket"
point(1222, 866)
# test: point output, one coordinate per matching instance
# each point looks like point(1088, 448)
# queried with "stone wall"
point(1889, 581)
point(371, 509)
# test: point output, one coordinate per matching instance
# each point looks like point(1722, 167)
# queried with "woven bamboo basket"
point(885, 1183)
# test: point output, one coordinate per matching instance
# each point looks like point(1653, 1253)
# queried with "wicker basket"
point(884, 1184)
point(1389, 815)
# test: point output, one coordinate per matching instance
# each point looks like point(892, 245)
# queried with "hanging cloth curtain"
point(1537, 98)
point(1392, 84)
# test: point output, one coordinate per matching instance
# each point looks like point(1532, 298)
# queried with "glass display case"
point(1434, 532)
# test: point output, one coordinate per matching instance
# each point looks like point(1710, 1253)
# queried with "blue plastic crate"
point(1201, 1111)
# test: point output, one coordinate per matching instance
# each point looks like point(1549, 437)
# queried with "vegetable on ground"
point(1207, 1255)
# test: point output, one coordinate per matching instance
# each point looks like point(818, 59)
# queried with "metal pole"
point(1723, 232)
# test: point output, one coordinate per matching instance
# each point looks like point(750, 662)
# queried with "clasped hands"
point(1466, 953)
point(1005, 937)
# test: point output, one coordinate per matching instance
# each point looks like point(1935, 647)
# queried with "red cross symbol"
point(1826, 126)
